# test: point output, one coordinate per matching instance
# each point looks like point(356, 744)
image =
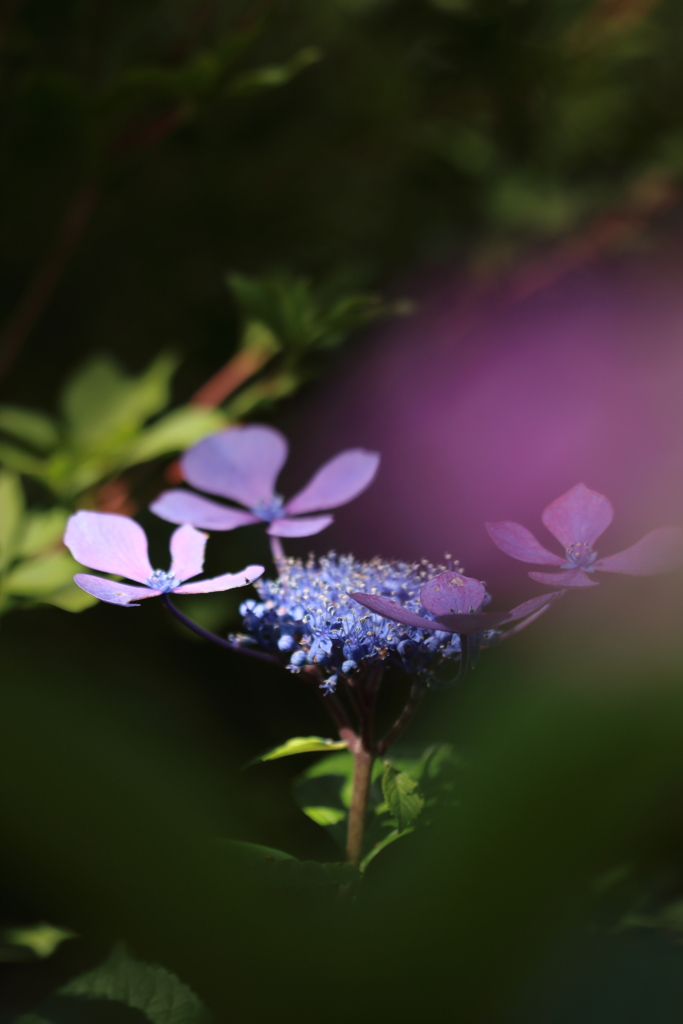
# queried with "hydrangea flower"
point(310, 617)
point(242, 464)
point(456, 602)
point(116, 544)
point(577, 519)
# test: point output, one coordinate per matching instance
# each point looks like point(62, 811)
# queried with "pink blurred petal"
point(533, 606)
point(241, 463)
point(303, 526)
point(391, 610)
point(337, 482)
point(451, 592)
point(579, 516)
point(228, 581)
point(179, 506)
point(109, 543)
point(658, 551)
point(112, 592)
point(570, 578)
point(518, 542)
point(187, 552)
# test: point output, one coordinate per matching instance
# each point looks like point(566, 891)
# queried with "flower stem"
point(207, 635)
point(417, 692)
point(362, 775)
point(277, 551)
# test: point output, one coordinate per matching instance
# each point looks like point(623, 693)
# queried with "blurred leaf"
point(43, 938)
point(42, 530)
point(103, 406)
point(300, 745)
point(276, 74)
point(324, 815)
point(382, 845)
point(174, 432)
point(403, 796)
point(69, 598)
point(279, 868)
point(11, 512)
point(34, 428)
point(21, 461)
point(41, 576)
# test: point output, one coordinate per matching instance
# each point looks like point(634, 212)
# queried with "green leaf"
point(282, 869)
point(21, 461)
point(300, 745)
point(104, 407)
point(275, 75)
point(42, 530)
point(69, 598)
point(403, 796)
point(42, 938)
point(34, 428)
point(324, 815)
point(41, 576)
point(146, 987)
point(387, 841)
point(173, 433)
point(11, 513)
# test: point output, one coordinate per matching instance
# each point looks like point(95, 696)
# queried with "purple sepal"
point(228, 581)
point(179, 506)
point(658, 551)
point(337, 482)
point(518, 542)
point(476, 623)
point(240, 463)
point(304, 526)
point(534, 605)
point(578, 517)
point(391, 610)
point(452, 593)
point(570, 578)
point(187, 552)
point(112, 592)
point(109, 543)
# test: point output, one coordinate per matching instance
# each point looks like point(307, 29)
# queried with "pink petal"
point(578, 517)
point(228, 581)
point(570, 578)
point(178, 506)
point(110, 543)
point(658, 551)
point(112, 592)
point(389, 609)
point(533, 606)
point(305, 526)
point(451, 592)
point(338, 481)
point(241, 463)
point(518, 542)
point(465, 624)
point(187, 552)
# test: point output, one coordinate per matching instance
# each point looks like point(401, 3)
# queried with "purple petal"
point(451, 592)
point(570, 578)
point(110, 543)
point(658, 551)
point(338, 481)
point(178, 506)
point(112, 592)
point(391, 610)
point(518, 542)
point(534, 605)
point(578, 517)
point(305, 526)
point(228, 581)
point(187, 552)
point(465, 624)
point(241, 463)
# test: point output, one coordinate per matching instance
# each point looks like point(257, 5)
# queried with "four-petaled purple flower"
point(116, 544)
point(242, 464)
point(577, 519)
point(456, 601)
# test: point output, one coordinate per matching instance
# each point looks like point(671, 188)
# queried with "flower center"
point(163, 581)
point(580, 556)
point(269, 510)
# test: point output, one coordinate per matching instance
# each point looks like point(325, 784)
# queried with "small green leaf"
point(403, 796)
point(32, 427)
point(275, 75)
point(41, 576)
point(300, 745)
point(173, 433)
point(324, 815)
point(42, 530)
point(43, 938)
point(387, 841)
point(11, 512)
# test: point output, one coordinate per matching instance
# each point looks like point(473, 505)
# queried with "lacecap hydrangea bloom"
point(309, 615)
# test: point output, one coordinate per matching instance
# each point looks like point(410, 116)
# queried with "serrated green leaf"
point(300, 745)
point(403, 796)
point(324, 815)
point(146, 987)
point(11, 514)
point(41, 530)
point(280, 868)
point(34, 428)
point(173, 433)
point(41, 576)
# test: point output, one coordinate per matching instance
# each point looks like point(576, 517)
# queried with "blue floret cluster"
point(307, 615)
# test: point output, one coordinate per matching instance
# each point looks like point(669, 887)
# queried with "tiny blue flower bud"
point(286, 642)
point(349, 666)
point(298, 659)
